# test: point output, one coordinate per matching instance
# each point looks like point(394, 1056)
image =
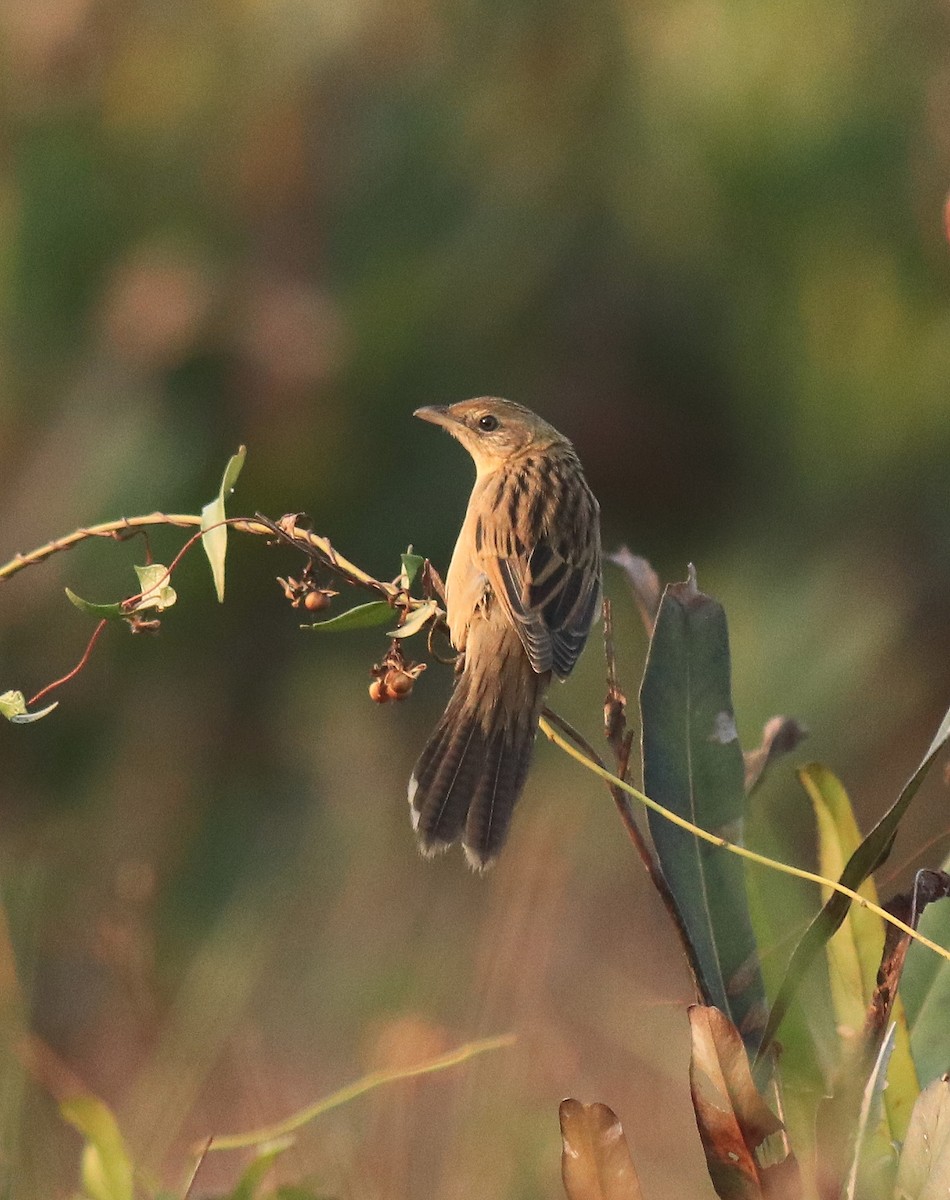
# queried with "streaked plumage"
point(522, 591)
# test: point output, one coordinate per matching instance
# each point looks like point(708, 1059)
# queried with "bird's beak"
point(437, 414)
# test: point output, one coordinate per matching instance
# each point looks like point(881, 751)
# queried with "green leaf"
point(107, 612)
point(364, 616)
point(866, 859)
point(924, 1169)
point(692, 764)
point(215, 535)
point(13, 707)
point(411, 566)
point(854, 952)
point(416, 620)
point(253, 1177)
point(156, 591)
point(925, 987)
point(106, 1166)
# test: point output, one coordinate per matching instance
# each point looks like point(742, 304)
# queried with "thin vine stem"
point(125, 526)
point(50, 687)
point(715, 840)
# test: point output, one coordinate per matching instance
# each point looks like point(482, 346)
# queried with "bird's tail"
point(470, 775)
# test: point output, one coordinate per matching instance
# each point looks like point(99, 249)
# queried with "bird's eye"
point(487, 423)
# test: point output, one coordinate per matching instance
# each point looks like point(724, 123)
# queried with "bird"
point(522, 591)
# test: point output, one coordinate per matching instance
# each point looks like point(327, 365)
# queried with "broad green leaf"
point(156, 591)
point(106, 1166)
point(215, 535)
point(925, 987)
point(692, 764)
point(13, 707)
point(416, 620)
point(107, 612)
point(254, 1175)
point(924, 1169)
point(595, 1158)
point(854, 951)
point(364, 616)
point(866, 859)
point(411, 566)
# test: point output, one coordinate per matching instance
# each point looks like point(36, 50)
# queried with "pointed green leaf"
point(107, 612)
point(364, 616)
point(924, 1169)
point(106, 1166)
point(866, 859)
point(411, 566)
point(215, 535)
point(156, 591)
point(13, 707)
point(854, 951)
point(692, 764)
point(416, 620)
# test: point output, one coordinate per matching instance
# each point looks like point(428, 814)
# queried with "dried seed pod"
point(399, 684)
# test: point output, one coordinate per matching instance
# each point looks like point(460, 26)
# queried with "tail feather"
point(470, 774)
point(445, 801)
point(493, 799)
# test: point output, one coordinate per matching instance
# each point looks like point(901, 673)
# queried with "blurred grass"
point(704, 239)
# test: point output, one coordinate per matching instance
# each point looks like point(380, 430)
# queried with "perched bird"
point(522, 591)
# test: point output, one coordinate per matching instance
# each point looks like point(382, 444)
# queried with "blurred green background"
point(704, 239)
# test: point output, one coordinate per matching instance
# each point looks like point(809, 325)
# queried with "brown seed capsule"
point(378, 692)
point(399, 684)
point(316, 601)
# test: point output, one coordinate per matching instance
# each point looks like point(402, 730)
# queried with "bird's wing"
point(550, 591)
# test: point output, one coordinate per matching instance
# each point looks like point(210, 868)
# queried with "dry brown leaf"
point(644, 583)
point(780, 735)
point(595, 1160)
point(733, 1118)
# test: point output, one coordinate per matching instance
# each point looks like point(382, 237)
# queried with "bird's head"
point(493, 431)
